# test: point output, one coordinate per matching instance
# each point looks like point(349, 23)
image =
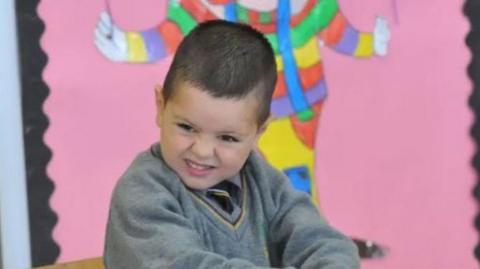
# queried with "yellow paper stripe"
point(305, 56)
point(136, 48)
point(280, 140)
point(365, 45)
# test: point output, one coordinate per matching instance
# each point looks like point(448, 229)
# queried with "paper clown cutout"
point(296, 30)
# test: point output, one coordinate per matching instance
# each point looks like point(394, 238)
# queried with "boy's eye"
point(228, 138)
point(185, 127)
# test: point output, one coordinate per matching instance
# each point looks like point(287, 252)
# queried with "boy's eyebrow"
point(227, 132)
point(176, 117)
point(233, 133)
point(230, 133)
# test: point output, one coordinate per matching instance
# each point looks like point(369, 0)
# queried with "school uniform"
point(155, 221)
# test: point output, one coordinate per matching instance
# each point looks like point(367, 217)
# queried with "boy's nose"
point(203, 148)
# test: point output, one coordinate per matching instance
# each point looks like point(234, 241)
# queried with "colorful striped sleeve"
point(341, 36)
point(153, 44)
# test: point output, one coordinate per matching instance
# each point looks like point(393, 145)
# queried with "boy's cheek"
point(180, 141)
point(233, 157)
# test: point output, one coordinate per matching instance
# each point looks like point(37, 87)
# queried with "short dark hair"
point(226, 60)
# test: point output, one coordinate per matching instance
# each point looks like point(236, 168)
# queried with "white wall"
point(14, 235)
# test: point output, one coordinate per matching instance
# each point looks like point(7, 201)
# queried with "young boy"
point(202, 197)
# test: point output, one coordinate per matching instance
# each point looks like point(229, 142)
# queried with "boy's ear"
point(159, 102)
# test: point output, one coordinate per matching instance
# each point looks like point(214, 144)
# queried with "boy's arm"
point(299, 236)
point(146, 229)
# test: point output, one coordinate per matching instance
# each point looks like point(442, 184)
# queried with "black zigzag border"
point(42, 219)
point(471, 9)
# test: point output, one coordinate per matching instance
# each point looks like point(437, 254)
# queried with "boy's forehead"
point(184, 89)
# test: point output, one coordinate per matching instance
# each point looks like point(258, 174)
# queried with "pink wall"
point(101, 115)
point(394, 151)
point(394, 141)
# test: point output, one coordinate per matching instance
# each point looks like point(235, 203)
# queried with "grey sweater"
point(156, 222)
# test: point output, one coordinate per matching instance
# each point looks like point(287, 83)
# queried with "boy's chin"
point(198, 184)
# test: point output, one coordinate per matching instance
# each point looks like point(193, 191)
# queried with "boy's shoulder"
point(270, 182)
point(148, 173)
point(263, 171)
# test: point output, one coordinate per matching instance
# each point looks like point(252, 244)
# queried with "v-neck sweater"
point(157, 222)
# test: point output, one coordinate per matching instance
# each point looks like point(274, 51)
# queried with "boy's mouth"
point(198, 169)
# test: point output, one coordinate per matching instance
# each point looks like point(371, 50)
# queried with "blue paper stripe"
point(231, 12)
point(292, 80)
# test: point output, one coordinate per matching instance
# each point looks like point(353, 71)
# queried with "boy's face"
point(204, 139)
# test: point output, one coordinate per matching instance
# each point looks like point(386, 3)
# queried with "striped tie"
point(220, 194)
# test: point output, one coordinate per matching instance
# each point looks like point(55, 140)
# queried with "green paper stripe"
point(305, 115)
point(242, 14)
point(317, 19)
point(265, 17)
point(181, 17)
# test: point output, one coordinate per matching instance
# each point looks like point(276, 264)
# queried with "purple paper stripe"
point(349, 41)
point(154, 45)
point(282, 107)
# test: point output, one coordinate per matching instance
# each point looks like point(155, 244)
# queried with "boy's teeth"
point(197, 166)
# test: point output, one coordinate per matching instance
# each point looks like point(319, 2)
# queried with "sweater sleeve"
point(299, 236)
point(146, 229)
